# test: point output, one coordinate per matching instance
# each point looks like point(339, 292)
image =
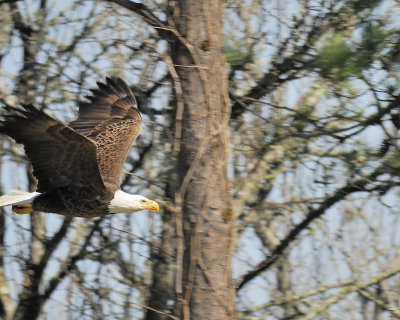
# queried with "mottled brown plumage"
point(112, 120)
point(78, 166)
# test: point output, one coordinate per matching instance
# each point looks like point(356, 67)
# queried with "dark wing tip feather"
point(385, 146)
point(10, 111)
point(105, 89)
point(120, 85)
point(17, 116)
point(19, 122)
point(114, 90)
point(96, 93)
point(112, 99)
point(23, 109)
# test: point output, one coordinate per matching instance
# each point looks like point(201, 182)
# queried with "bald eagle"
point(78, 166)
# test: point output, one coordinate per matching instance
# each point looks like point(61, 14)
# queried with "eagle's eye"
point(142, 201)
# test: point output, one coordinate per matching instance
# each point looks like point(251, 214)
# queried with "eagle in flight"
point(78, 166)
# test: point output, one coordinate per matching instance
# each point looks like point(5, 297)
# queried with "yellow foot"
point(23, 208)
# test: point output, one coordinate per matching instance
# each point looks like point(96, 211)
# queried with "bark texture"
point(204, 285)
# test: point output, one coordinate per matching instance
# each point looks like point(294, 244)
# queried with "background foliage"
point(314, 92)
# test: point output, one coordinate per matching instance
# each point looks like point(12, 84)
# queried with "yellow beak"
point(152, 205)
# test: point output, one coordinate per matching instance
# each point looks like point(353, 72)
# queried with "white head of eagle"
point(127, 203)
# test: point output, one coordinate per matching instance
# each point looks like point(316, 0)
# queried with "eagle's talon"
point(22, 208)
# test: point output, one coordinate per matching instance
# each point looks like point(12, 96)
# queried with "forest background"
point(270, 138)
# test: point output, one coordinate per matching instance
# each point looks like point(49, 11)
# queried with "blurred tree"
point(263, 125)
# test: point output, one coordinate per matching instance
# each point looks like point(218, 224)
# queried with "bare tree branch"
point(143, 11)
point(356, 186)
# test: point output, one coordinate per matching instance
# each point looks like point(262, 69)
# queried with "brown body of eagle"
point(78, 166)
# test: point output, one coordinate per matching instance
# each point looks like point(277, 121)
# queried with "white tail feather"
point(19, 197)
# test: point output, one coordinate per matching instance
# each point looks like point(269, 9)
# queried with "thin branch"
point(357, 186)
point(52, 244)
point(393, 310)
point(143, 11)
point(70, 264)
point(320, 307)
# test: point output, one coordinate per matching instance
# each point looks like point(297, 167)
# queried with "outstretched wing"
point(60, 156)
point(112, 120)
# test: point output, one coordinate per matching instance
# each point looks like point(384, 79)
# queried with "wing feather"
point(60, 156)
point(112, 120)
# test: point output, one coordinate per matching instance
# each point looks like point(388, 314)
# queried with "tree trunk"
point(204, 285)
point(161, 291)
